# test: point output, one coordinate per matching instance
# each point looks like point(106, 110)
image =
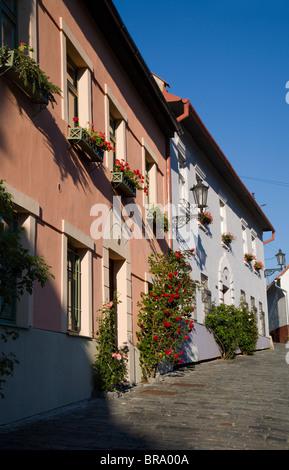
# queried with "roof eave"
point(193, 124)
point(116, 34)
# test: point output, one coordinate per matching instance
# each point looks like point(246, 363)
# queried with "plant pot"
point(33, 92)
point(79, 136)
point(123, 184)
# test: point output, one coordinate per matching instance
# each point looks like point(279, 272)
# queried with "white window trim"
point(200, 173)
point(153, 184)
point(223, 214)
point(84, 111)
point(121, 130)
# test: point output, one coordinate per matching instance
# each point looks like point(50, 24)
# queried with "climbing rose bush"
point(164, 319)
point(110, 366)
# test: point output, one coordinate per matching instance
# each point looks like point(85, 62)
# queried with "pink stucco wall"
point(36, 159)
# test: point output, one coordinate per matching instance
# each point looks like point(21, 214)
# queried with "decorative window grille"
point(73, 290)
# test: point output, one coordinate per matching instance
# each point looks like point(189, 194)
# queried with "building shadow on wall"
point(71, 160)
point(201, 255)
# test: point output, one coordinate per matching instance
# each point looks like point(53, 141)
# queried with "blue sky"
point(231, 59)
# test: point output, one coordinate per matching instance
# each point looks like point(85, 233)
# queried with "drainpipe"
point(186, 112)
point(271, 239)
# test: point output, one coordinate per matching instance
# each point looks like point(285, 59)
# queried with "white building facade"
point(225, 276)
point(278, 307)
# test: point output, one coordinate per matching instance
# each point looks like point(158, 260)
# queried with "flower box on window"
point(26, 74)
point(205, 218)
point(79, 136)
point(123, 183)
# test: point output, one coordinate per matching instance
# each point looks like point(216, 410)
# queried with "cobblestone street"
point(218, 405)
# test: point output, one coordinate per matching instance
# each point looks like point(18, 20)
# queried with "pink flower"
point(117, 355)
point(109, 305)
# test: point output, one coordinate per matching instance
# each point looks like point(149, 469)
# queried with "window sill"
point(78, 335)
point(203, 227)
point(13, 325)
point(226, 247)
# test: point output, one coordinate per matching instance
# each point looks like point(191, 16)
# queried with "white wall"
point(211, 256)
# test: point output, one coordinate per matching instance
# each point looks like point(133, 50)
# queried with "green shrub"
point(223, 322)
point(233, 328)
point(248, 334)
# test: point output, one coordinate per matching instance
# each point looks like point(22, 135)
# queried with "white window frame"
point(113, 108)
point(148, 156)
point(254, 242)
point(244, 236)
point(223, 215)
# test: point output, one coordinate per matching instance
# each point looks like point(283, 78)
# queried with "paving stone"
point(217, 405)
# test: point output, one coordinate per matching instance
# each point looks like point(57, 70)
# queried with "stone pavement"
point(241, 404)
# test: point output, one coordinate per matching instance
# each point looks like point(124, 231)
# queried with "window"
point(150, 168)
point(8, 310)
point(253, 306)
point(27, 211)
point(73, 289)
point(206, 295)
point(223, 216)
point(243, 297)
point(115, 127)
point(77, 295)
point(244, 239)
point(262, 319)
point(8, 21)
point(72, 91)
point(76, 73)
point(253, 241)
point(182, 179)
point(148, 174)
point(112, 134)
